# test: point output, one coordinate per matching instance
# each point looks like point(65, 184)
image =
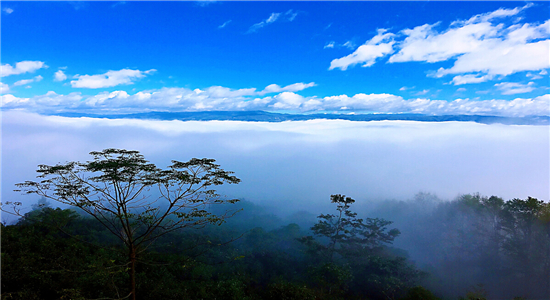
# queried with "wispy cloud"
point(511, 88)
point(7, 10)
point(470, 78)
point(22, 67)
point(27, 81)
point(290, 15)
point(224, 24)
point(272, 18)
point(329, 45)
point(421, 93)
point(540, 75)
point(274, 88)
point(379, 46)
point(349, 44)
point(109, 79)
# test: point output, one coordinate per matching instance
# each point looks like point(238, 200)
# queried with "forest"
point(199, 246)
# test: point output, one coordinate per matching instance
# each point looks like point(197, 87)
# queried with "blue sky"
point(441, 58)
point(349, 57)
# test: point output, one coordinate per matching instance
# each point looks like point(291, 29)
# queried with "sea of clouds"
point(299, 164)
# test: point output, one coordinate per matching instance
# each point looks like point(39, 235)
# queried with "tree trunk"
point(132, 271)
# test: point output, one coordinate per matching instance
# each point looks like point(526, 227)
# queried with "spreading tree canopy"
point(134, 199)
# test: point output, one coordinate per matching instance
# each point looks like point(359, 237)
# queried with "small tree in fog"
point(113, 187)
point(355, 248)
point(349, 235)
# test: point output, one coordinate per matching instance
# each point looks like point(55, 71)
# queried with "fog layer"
point(297, 165)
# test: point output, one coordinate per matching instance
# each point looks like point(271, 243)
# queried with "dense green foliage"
point(114, 188)
point(473, 247)
point(484, 247)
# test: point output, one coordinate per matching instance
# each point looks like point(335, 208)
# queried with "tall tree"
point(361, 243)
point(349, 235)
point(116, 188)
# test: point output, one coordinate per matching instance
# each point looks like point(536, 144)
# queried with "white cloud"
point(218, 98)
point(22, 67)
point(533, 76)
point(387, 103)
point(511, 88)
point(27, 81)
point(287, 100)
point(10, 100)
point(274, 88)
point(461, 89)
point(362, 102)
point(23, 82)
point(59, 76)
point(479, 45)
point(8, 10)
point(482, 47)
point(109, 79)
point(423, 43)
point(470, 78)
point(4, 88)
point(223, 92)
point(499, 13)
point(379, 46)
point(540, 75)
point(502, 59)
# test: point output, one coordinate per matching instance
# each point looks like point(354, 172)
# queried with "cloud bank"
point(299, 164)
point(218, 98)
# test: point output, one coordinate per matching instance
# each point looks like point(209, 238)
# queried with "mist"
point(297, 165)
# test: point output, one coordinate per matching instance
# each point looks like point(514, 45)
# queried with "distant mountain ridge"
point(262, 116)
